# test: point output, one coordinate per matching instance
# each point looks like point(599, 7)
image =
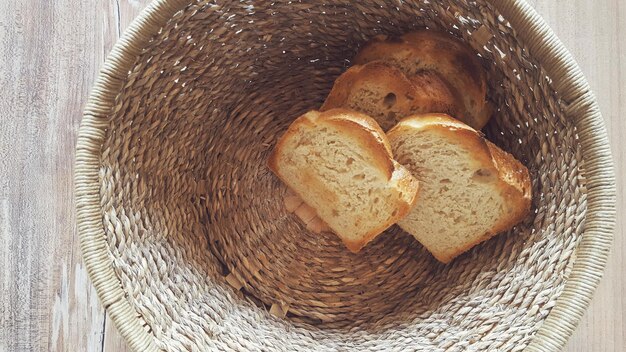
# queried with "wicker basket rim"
point(531, 29)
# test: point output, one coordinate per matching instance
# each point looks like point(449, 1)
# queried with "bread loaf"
point(470, 189)
point(339, 162)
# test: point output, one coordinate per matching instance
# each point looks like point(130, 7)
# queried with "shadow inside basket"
point(192, 212)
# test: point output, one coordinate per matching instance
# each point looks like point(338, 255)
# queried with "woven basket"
point(183, 229)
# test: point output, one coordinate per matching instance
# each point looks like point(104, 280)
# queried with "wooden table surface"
point(50, 55)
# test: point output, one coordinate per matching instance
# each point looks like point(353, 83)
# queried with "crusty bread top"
point(361, 126)
point(430, 50)
point(502, 170)
point(511, 172)
point(516, 176)
point(383, 91)
point(431, 120)
point(461, 55)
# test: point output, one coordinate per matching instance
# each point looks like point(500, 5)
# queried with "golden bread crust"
point(513, 179)
point(428, 50)
point(423, 92)
point(366, 131)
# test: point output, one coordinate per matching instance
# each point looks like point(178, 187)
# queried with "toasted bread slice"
point(383, 92)
point(428, 50)
point(470, 189)
point(340, 163)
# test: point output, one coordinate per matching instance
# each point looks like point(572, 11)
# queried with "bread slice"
point(340, 163)
point(470, 189)
point(383, 92)
point(428, 50)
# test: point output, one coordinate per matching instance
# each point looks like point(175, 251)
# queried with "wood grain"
point(595, 34)
point(50, 53)
point(47, 68)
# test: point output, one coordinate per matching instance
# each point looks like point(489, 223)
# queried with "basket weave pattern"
point(171, 176)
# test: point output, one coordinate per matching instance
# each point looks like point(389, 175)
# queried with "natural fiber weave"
point(177, 209)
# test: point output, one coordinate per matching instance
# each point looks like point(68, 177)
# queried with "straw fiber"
point(183, 227)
